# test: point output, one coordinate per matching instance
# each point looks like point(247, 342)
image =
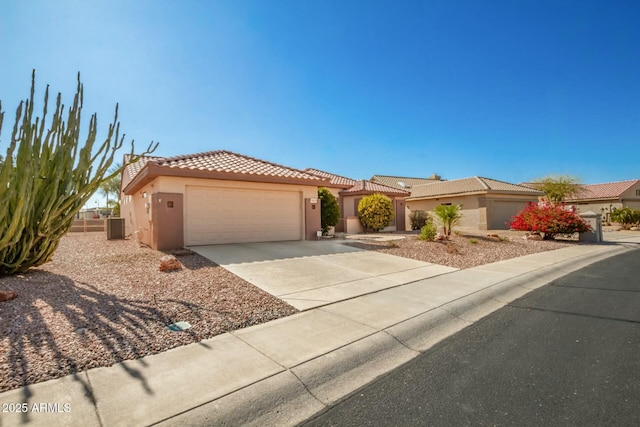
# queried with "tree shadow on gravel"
point(28, 343)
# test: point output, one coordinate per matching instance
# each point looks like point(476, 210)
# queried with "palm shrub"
point(418, 219)
point(549, 218)
point(376, 211)
point(448, 215)
point(626, 216)
point(329, 210)
point(47, 176)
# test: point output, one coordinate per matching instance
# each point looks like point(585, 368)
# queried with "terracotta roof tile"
point(607, 190)
point(474, 184)
point(366, 187)
point(132, 169)
point(232, 163)
point(336, 180)
point(403, 182)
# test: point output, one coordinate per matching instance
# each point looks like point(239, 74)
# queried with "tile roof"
point(607, 190)
point(336, 180)
point(403, 182)
point(132, 169)
point(220, 164)
point(368, 187)
point(474, 184)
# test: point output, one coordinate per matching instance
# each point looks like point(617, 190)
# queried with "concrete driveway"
point(308, 274)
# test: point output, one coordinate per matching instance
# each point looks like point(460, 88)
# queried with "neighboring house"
point(487, 204)
point(607, 197)
point(349, 192)
point(217, 197)
point(403, 182)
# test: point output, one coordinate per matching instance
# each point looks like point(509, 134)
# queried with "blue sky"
point(511, 90)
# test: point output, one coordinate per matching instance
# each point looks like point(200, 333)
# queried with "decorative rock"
point(534, 237)
point(493, 235)
point(634, 229)
point(7, 295)
point(169, 263)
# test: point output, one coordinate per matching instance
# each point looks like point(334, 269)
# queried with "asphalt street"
point(566, 354)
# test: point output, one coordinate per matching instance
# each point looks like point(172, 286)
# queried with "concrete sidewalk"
point(284, 371)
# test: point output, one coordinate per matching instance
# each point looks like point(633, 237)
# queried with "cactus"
point(47, 177)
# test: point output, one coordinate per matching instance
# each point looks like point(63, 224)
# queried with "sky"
point(510, 90)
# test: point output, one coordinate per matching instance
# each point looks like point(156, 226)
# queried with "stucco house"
point(487, 204)
point(349, 192)
point(217, 197)
point(606, 197)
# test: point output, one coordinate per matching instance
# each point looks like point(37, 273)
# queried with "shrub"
point(626, 216)
point(429, 231)
point(550, 219)
point(329, 210)
point(376, 211)
point(418, 219)
point(473, 241)
point(449, 215)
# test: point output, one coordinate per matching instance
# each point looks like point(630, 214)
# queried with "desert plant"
point(47, 177)
point(418, 219)
point(376, 211)
point(626, 217)
point(329, 210)
point(473, 241)
point(550, 219)
point(449, 215)
point(558, 188)
point(428, 231)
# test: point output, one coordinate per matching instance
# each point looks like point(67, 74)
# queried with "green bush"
point(429, 231)
point(376, 211)
point(329, 210)
point(449, 215)
point(626, 217)
point(418, 219)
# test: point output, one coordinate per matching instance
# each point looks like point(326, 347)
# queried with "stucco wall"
point(480, 211)
point(138, 217)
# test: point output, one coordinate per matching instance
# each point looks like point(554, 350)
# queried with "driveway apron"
point(309, 274)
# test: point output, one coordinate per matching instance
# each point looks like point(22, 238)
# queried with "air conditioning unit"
point(115, 228)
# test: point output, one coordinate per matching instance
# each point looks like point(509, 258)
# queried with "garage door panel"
point(219, 215)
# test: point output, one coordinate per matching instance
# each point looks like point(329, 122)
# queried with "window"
point(637, 192)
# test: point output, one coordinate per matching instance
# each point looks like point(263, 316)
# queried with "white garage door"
point(226, 215)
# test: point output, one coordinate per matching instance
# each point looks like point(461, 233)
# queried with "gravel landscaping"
point(465, 249)
point(99, 302)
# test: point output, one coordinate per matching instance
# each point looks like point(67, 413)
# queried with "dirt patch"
point(99, 302)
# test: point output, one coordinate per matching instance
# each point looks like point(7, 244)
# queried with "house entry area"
point(233, 215)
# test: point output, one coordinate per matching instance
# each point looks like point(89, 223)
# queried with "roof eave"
point(152, 171)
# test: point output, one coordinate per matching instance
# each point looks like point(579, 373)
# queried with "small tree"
point(626, 217)
point(329, 210)
point(47, 176)
point(449, 215)
point(376, 211)
point(558, 188)
point(550, 219)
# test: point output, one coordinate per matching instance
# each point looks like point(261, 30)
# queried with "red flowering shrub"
point(550, 219)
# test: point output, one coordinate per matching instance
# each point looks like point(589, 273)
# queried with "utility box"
point(115, 228)
point(595, 221)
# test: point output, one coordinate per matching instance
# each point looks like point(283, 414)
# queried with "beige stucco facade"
point(140, 219)
point(484, 211)
point(629, 198)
